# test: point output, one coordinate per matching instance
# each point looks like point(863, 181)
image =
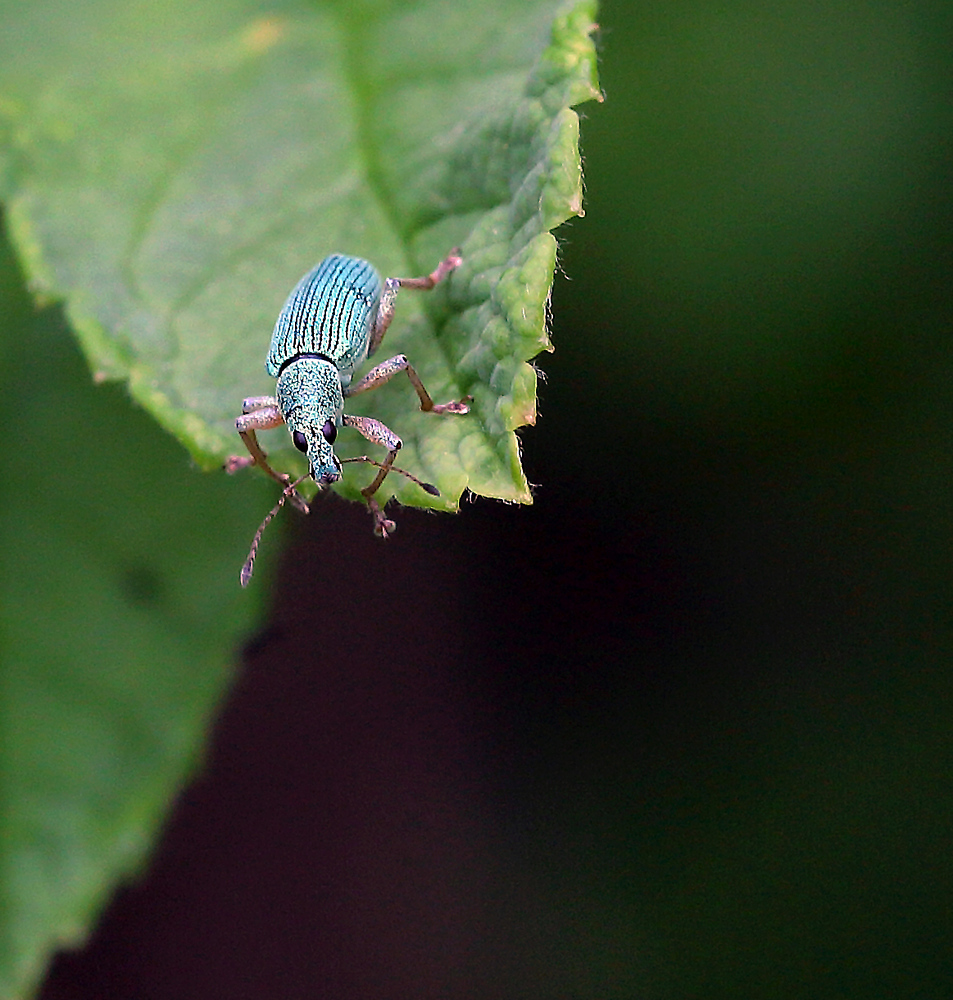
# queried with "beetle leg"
point(386, 370)
point(252, 403)
point(451, 261)
point(377, 433)
point(392, 286)
point(385, 313)
point(260, 413)
point(426, 487)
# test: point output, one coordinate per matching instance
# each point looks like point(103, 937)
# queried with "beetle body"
point(323, 332)
point(334, 318)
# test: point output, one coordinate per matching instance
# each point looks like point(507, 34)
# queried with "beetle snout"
point(329, 477)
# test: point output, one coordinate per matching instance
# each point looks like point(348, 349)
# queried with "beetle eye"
point(330, 432)
point(299, 441)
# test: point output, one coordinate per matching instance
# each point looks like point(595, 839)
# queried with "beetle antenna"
point(249, 565)
point(426, 487)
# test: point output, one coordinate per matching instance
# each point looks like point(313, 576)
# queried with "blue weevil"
point(334, 319)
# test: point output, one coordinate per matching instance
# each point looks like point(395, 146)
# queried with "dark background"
point(682, 728)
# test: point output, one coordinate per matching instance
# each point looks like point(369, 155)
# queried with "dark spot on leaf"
point(141, 584)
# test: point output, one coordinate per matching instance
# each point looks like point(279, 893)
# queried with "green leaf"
point(169, 170)
point(120, 612)
point(173, 168)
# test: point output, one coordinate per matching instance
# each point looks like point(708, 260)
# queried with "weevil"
point(334, 318)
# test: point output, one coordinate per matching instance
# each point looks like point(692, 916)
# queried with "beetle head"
point(310, 399)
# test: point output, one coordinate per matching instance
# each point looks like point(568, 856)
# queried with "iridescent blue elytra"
point(331, 311)
point(334, 318)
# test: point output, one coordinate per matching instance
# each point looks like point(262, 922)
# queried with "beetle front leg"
point(260, 413)
point(386, 370)
point(377, 433)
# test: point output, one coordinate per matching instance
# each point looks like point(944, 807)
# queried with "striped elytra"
point(330, 312)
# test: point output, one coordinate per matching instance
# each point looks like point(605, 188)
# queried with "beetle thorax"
point(310, 386)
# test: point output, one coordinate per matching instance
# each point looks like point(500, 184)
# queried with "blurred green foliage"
point(119, 620)
point(755, 799)
point(771, 205)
